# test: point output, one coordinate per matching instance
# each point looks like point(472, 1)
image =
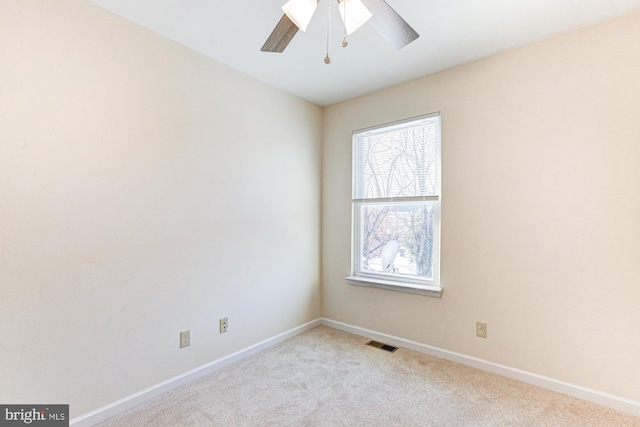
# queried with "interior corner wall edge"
point(540, 208)
point(131, 210)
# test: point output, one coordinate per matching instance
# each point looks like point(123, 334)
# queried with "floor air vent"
point(381, 346)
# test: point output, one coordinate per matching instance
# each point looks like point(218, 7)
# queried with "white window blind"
point(401, 160)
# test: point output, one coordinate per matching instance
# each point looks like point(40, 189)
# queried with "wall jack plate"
point(481, 329)
point(185, 339)
point(224, 325)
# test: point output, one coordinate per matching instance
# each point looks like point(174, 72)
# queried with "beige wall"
point(144, 190)
point(541, 209)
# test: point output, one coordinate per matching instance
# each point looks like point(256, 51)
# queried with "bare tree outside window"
point(396, 199)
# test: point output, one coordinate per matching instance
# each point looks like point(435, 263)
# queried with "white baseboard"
point(136, 399)
point(595, 396)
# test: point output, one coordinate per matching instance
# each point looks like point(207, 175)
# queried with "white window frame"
point(389, 280)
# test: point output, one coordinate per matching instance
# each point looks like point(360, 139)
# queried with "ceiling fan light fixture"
point(357, 14)
point(300, 12)
point(378, 13)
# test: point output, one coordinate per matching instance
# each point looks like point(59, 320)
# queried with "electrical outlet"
point(224, 325)
point(185, 339)
point(481, 329)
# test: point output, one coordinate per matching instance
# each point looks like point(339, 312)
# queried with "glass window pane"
point(397, 239)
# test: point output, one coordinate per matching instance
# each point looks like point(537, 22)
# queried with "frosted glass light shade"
point(300, 12)
point(357, 14)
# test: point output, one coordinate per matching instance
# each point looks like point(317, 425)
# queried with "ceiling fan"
point(355, 13)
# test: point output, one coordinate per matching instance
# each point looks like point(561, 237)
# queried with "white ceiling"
point(452, 32)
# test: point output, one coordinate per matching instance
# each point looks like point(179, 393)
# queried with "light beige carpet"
point(326, 377)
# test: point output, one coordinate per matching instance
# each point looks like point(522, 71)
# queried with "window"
point(396, 206)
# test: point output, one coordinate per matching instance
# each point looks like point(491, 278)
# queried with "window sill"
point(432, 291)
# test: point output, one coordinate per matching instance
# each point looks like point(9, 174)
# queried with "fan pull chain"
point(327, 59)
point(345, 42)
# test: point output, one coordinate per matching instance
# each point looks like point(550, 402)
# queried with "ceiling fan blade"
point(389, 24)
point(280, 36)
